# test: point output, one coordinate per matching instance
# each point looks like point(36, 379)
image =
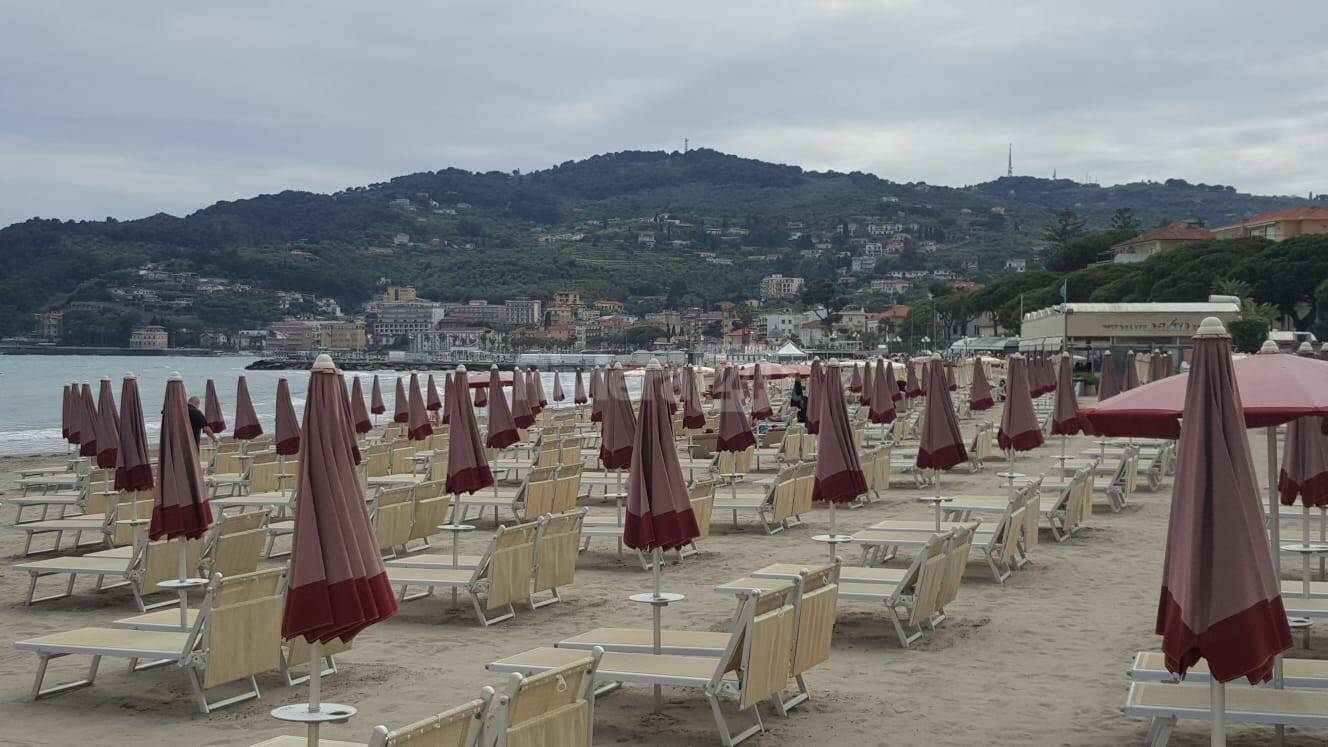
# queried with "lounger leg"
point(1160, 731)
point(725, 737)
point(536, 604)
point(205, 707)
point(328, 671)
point(42, 660)
point(782, 707)
point(487, 621)
point(32, 588)
point(905, 638)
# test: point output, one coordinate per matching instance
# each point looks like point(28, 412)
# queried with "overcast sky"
point(130, 108)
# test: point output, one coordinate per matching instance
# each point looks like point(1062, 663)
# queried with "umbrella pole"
point(315, 688)
point(656, 610)
point(1218, 703)
point(617, 498)
point(1275, 525)
point(184, 573)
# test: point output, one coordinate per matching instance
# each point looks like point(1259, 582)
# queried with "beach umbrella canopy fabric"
point(532, 391)
point(1156, 367)
point(467, 464)
point(1274, 389)
point(816, 389)
point(839, 477)
point(179, 498)
point(735, 431)
point(659, 513)
point(979, 392)
point(360, 416)
point(417, 423)
point(288, 427)
point(855, 382)
point(1220, 599)
point(579, 391)
point(434, 402)
point(75, 405)
point(337, 585)
point(247, 426)
point(1304, 471)
point(376, 405)
point(881, 408)
point(482, 395)
point(446, 416)
point(538, 382)
point(1019, 429)
point(761, 409)
point(133, 464)
point(618, 429)
point(1131, 372)
point(558, 394)
point(1108, 381)
point(64, 414)
point(401, 404)
point(912, 387)
point(216, 420)
point(670, 390)
point(692, 414)
point(941, 445)
point(597, 396)
point(868, 390)
point(108, 426)
point(87, 420)
point(1065, 419)
point(523, 414)
point(949, 377)
point(502, 430)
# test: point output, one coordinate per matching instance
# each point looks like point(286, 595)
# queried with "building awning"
point(1039, 344)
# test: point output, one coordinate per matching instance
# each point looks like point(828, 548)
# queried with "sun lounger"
point(230, 641)
point(1165, 704)
point(504, 575)
point(508, 497)
point(780, 505)
point(462, 726)
point(1151, 666)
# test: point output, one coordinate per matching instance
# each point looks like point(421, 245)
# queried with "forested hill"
point(630, 225)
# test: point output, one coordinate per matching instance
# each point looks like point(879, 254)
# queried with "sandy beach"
point(1038, 660)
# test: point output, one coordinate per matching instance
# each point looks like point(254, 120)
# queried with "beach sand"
point(1040, 660)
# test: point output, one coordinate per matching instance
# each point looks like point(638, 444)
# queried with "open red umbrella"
point(523, 413)
point(502, 427)
point(180, 507)
point(418, 427)
point(537, 381)
point(1019, 429)
point(108, 426)
point(579, 392)
point(1220, 598)
point(1108, 381)
point(619, 426)
point(881, 408)
point(359, 415)
point(735, 431)
point(216, 420)
point(1131, 373)
point(434, 402)
point(376, 405)
point(855, 382)
point(692, 414)
point(288, 427)
point(941, 445)
point(979, 392)
point(87, 411)
point(659, 514)
point(133, 465)
point(401, 405)
point(558, 394)
point(597, 395)
point(467, 465)
point(247, 426)
point(761, 409)
point(816, 388)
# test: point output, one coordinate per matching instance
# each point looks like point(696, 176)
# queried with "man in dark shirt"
point(198, 421)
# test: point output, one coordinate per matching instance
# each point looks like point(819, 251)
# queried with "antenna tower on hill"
point(1009, 162)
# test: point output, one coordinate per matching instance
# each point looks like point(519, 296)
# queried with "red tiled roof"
point(1180, 230)
point(1305, 212)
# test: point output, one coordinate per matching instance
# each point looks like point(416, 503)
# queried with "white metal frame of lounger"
point(1140, 673)
point(130, 574)
point(1163, 719)
point(879, 551)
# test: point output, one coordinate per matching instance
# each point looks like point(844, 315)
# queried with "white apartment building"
point(778, 286)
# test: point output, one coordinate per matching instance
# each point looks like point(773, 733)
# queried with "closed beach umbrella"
point(532, 391)
point(538, 382)
point(579, 391)
point(597, 395)
point(376, 405)
point(434, 402)
point(74, 404)
point(881, 408)
point(1157, 366)
point(893, 382)
point(838, 477)
point(619, 425)
point(247, 426)
point(87, 410)
point(1108, 381)
point(467, 465)
point(855, 382)
point(692, 414)
point(1131, 373)
point(359, 415)
point(179, 506)
point(558, 395)
point(216, 420)
point(979, 392)
point(522, 414)
point(868, 385)
point(912, 387)
point(401, 406)
point(941, 445)
point(64, 414)
point(761, 409)
point(815, 393)
point(288, 428)
point(1304, 470)
point(502, 427)
point(1220, 599)
point(949, 377)
point(735, 431)
point(670, 392)
point(1065, 414)
point(659, 514)
point(337, 585)
point(417, 428)
point(133, 465)
point(482, 395)
point(447, 400)
point(108, 427)
point(350, 420)
point(1019, 429)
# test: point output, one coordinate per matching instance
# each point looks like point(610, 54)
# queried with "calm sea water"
point(30, 388)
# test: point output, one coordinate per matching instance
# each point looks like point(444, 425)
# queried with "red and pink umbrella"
point(1108, 381)
point(247, 426)
point(179, 507)
point(1220, 599)
point(523, 412)
point(912, 386)
point(87, 422)
point(868, 387)
point(816, 388)
point(216, 420)
point(108, 427)
point(597, 395)
point(434, 402)
point(618, 428)
point(467, 465)
point(360, 416)
point(501, 426)
point(65, 414)
point(446, 417)
point(659, 514)
point(133, 466)
point(855, 382)
point(482, 394)
point(735, 431)
point(761, 409)
point(418, 427)
point(881, 407)
point(537, 381)
point(401, 406)
point(838, 477)
point(288, 427)
point(979, 392)
point(692, 414)
point(1065, 419)
point(941, 445)
point(376, 405)
point(1019, 429)
point(558, 394)
point(1131, 373)
point(579, 392)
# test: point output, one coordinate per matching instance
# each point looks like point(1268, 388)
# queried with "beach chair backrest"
point(541, 495)
point(263, 478)
point(881, 468)
point(731, 462)
point(816, 618)
point(784, 497)
point(556, 550)
point(456, 727)
point(242, 639)
point(129, 506)
point(377, 461)
point(403, 457)
point(765, 657)
point(804, 480)
point(1131, 480)
point(247, 587)
point(1009, 534)
point(1031, 502)
point(236, 545)
point(703, 507)
point(511, 566)
point(927, 593)
point(430, 509)
point(956, 561)
point(982, 444)
point(703, 444)
point(394, 513)
point(568, 489)
point(550, 709)
point(791, 446)
point(161, 561)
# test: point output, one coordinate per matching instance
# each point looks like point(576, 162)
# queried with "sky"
point(129, 109)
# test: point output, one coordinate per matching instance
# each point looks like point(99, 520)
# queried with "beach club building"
point(1121, 327)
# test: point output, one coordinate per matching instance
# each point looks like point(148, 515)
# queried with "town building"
point(47, 324)
point(567, 298)
point(477, 311)
point(1279, 225)
point(397, 318)
point(1121, 326)
point(1159, 240)
point(778, 286)
point(150, 337)
point(523, 312)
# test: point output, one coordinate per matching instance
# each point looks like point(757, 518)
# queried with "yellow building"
point(399, 293)
point(150, 337)
point(1279, 224)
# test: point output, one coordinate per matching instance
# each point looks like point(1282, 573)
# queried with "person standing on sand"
point(198, 422)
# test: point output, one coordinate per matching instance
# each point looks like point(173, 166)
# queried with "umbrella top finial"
point(617, 366)
point(323, 363)
point(654, 364)
point(493, 366)
point(461, 368)
point(1269, 346)
point(175, 376)
point(107, 378)
point(1210, 326)
point(1065, 354)
point(833, 362)
point(1305, 348)
point(130, 375)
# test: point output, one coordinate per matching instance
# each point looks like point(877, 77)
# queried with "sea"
point(31, 386)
